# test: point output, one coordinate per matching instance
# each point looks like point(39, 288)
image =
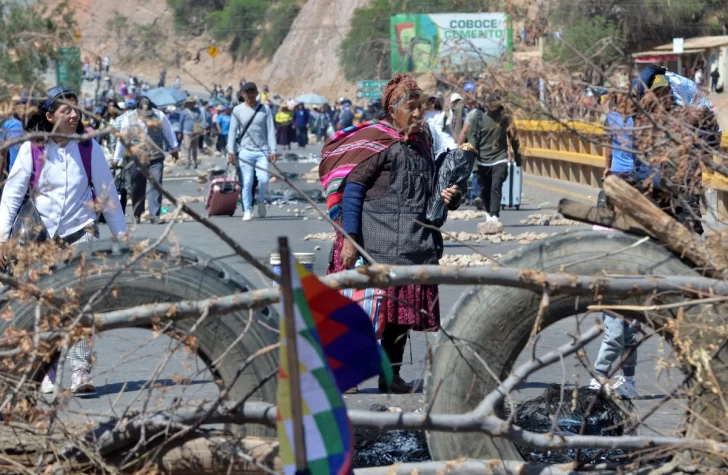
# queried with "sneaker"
point(81, 382)
point(595, 384)
point(625, 387)
point(48, 385)
point(247, 216)
point(492, 219)
point(261, 210)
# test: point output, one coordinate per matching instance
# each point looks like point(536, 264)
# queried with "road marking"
point(560, 191)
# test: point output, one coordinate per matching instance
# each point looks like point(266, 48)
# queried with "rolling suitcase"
point(223, 194)
point(512, 187)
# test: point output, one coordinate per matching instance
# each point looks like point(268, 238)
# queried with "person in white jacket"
point(62, 195)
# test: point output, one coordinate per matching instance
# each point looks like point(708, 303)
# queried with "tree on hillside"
point(29, 38)
point(646, 23)
point(594, 38)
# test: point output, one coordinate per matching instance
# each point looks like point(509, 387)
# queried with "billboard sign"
point(68, 68)
point(455, 41)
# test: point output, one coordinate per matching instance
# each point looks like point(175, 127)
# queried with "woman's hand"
point(349, 254)
point(449, 194)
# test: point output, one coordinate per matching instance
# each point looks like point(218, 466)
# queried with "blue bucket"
point(307, 259)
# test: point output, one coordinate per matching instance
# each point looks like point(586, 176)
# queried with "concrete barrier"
point(572, 152)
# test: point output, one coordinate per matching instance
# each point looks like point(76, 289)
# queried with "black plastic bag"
point(28, 226)
point(453, 168)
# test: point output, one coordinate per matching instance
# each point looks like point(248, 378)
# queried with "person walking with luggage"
point(490, 132)
point(192, 125)
point(61, 186)
point(147, 129)
point(252, 143)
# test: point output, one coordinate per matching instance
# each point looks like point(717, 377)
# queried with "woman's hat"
point(54, 93)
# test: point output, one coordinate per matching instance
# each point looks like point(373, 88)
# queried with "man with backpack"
point(252, 143)
point(192, 124)
point(490, 132)
point(147, 121)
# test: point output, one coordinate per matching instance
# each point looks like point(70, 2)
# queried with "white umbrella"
point(313, 99)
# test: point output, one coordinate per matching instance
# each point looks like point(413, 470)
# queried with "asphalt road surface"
point(139, 370)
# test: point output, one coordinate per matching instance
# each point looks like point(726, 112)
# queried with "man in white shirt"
point(147, 128)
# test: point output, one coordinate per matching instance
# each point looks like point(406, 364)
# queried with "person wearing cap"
point(252, 143)
point(223, 125)
point(13, 128)
point(62, 190)
point(457, 115)
point(346, 115)
point(147, 128)
point(192, 124)
point(667, 99)
point(491, 132)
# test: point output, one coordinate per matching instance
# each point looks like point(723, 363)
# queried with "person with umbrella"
point(146, 129)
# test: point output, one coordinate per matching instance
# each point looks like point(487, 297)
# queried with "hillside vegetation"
point(238, 22)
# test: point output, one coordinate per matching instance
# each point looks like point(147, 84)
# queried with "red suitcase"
point(223, 195)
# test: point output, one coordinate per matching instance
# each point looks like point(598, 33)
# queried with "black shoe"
point(137, 220)
point(399, 386)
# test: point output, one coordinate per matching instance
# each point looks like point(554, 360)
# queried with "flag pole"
point(299, 441)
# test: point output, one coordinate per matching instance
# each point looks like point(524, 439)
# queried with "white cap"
point(455, 97)
point(121, 105)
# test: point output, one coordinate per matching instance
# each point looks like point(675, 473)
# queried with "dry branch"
point(600, 216)
point(666, 229)
point(385, 276)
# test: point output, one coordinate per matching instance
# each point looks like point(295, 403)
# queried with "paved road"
point(127, 358)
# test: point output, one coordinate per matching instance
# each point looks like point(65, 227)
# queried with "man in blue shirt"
point(13, 128)
point(223, 125)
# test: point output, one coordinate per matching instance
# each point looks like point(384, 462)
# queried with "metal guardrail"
point(572, 152)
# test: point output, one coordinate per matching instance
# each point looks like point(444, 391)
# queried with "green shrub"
point(279, 20)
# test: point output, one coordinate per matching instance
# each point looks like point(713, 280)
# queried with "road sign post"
point(68, 68)
point(213, 52)
point(370, 88)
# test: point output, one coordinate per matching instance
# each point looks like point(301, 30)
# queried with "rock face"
point(311, 54)
point(490, 228)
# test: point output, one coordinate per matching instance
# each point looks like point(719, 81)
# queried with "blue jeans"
point(619, 338)
point(253, 162)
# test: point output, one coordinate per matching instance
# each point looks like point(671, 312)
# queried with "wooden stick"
point(601, 217)
point(289, 318)
point(665, 228)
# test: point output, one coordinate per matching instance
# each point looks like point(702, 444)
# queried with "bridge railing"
point(573, 152)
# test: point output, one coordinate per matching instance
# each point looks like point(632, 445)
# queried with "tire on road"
point(496, 322)
point(169, 275)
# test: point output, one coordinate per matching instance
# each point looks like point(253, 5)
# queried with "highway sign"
point(368, 94)
point(372, 84)
point(213, 51)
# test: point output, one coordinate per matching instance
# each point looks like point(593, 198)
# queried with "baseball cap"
point(248, 86)
point(455, 97)
point(131, 103)
point(659, 81)
point(56, 92)
point(121, 105)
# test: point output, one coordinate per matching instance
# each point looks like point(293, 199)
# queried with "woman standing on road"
point(71, 175)
point(378, 178)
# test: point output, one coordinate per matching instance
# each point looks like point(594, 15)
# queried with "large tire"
point(497, 321)
point(185, 275)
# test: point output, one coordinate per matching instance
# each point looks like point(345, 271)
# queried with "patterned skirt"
point(413, 305)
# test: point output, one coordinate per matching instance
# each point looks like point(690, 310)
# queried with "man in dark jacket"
point(490, 132)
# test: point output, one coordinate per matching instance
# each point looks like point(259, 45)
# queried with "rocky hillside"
point(139, 37)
